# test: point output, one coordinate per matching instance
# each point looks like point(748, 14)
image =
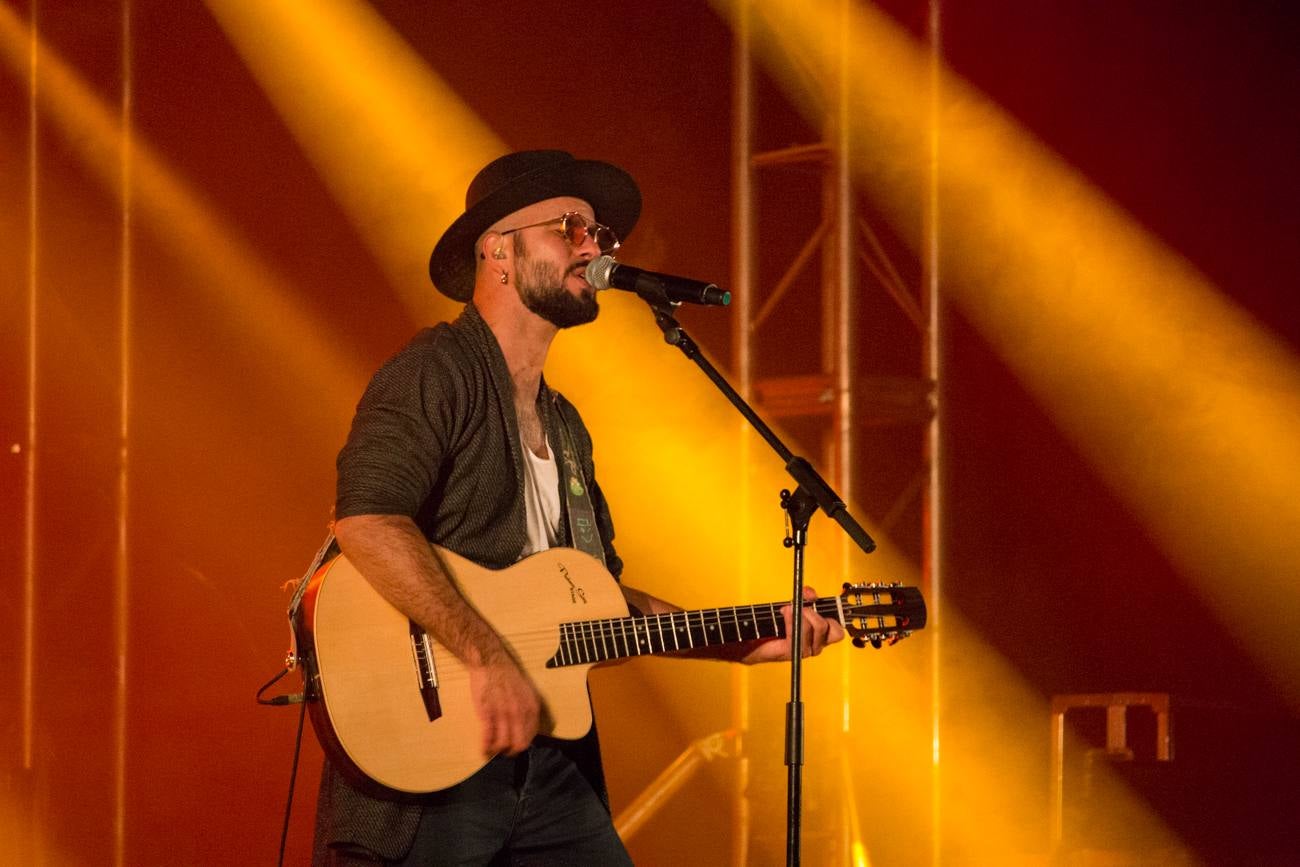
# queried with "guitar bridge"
point(426, 671)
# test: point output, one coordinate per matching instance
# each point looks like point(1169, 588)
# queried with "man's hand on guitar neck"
point(818, 631)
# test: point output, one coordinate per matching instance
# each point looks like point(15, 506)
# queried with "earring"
point(499, 254)
point(504, 279)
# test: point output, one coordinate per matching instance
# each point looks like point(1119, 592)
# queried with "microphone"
point(604, 272)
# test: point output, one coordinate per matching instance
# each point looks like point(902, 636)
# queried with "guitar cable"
point(280, 701)
point(291, 663)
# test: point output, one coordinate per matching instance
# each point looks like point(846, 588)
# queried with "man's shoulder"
point(459, 341)
point(441, 346)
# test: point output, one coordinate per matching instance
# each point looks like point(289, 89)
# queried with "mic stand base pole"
point(811, 494)
point(799, 508)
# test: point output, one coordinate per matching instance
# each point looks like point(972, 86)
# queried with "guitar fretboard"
point(590, 641)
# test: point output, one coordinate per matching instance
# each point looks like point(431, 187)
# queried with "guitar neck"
point(590, 641)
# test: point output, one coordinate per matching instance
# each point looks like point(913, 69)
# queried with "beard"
point(541, 287)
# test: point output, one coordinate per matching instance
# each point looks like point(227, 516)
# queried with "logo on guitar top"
point(575, 592)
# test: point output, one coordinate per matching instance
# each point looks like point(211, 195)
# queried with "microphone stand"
point(810, 494)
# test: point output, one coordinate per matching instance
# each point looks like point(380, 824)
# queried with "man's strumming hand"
point(507, 703)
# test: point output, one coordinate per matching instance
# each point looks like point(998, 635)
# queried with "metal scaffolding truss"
point(849, 272)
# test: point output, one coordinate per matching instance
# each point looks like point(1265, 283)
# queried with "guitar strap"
point(577, 497)
point(296, 602)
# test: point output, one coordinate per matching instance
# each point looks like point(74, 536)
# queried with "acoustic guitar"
point(392, 707)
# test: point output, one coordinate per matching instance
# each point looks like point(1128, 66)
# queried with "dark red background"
point(1184, 113)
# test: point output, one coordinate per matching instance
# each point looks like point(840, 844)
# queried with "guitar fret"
point(566, 638)
point(604, 643)
point(593, 641)
point(616, 630)
point(629, 641)
point(733, 621)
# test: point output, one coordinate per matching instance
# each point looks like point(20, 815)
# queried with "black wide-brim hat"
point(516, 181)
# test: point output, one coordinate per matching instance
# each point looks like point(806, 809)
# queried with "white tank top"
point(541, 500)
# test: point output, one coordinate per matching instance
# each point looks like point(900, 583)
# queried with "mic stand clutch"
point(810, 494)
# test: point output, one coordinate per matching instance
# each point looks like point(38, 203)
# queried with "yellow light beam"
point(370, 98)
point(1187, 407)
point(992, 781)
point(666, 440)
point(393, 142)
point(224, 265)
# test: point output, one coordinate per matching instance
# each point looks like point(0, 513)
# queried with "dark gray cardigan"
point(435, 437)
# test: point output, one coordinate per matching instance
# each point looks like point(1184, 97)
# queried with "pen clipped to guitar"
point(393, 708)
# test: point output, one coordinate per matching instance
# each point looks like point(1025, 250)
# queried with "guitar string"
point(619, 627)
point(616, 631)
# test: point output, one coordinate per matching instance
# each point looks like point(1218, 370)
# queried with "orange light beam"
point(239, 285)
point(1187, 407)
point(121, 559)
point(896, 128)
point(395, 145)
point(348, 54)
point(33, 430)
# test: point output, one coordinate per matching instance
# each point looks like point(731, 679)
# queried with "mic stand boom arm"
point(811, 493)
point(803, 473)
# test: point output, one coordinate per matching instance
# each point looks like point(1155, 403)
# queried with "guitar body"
point(394, 710)
point(363, 664)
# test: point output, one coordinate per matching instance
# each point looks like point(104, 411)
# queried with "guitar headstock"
point(879, 614)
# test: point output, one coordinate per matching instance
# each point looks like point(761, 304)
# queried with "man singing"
point(459, 441)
